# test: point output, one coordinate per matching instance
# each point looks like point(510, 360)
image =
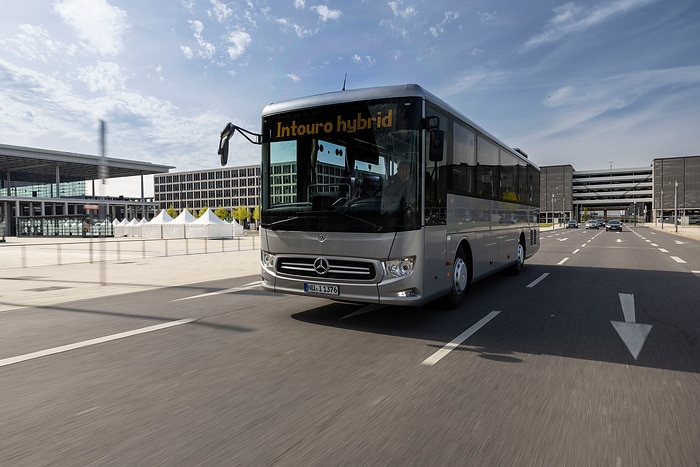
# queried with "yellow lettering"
point(388, 121)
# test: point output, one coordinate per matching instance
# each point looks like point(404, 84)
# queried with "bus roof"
point(379, 92)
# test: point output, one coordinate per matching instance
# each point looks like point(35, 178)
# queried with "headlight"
point(400, 267)
point(267, 260)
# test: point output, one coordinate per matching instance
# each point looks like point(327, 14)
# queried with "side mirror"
point(437, 143)
point(223, 151)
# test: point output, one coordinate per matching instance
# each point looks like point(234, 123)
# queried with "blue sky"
point(584, 83)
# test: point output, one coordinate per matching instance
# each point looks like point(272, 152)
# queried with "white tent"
point(176, 227)
point(117, 229)
point(236, 228)
point(132, 228)
point(208, 226)
point(154, 228)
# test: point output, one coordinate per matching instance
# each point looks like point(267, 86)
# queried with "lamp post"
point(675, 205)
point(662, 208)
point(552, 211)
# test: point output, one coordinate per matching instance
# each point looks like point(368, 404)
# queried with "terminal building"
point(44, 192)
point(668, 187)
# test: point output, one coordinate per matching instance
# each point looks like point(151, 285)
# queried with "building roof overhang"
point(42, 163)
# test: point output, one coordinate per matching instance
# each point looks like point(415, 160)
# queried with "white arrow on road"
point(632, 334)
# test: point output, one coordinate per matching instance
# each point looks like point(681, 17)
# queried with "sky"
point(587, 83)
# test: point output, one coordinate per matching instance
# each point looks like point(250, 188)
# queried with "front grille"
point(337, 269)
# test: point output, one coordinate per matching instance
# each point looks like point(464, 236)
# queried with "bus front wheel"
point(460, 280)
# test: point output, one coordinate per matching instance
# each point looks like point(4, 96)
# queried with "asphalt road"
point(591, 356)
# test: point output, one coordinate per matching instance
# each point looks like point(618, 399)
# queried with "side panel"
point(493, 230)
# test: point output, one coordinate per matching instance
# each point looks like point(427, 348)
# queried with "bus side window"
point(463, 159)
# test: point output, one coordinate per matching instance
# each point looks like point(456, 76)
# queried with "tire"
point(460, 280)
point(519, 260)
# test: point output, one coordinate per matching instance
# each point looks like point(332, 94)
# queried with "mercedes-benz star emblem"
point(321, 266)
point(321, 238)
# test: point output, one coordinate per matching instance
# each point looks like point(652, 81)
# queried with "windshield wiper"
point(283, 221)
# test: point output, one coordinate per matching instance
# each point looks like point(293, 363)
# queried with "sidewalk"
point(56, 271)
point(683, 231)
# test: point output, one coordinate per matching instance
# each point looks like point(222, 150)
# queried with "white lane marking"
point(563, 239)
point(252, 285)
point(618, 240)
point(537, 281)
point(575, 251)
point(695, 272)
point(627, 303)
point(99, 340)
point(654, 245)
point(632, 334)
point(437, 356)
point(662, 250)
point(365, 309)
point(648, 241)
point(677, 259)
point(678, 242)
point(562, 261)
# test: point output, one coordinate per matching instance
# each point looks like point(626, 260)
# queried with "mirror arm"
point(230, 129)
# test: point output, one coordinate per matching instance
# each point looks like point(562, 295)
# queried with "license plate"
point(321, 289)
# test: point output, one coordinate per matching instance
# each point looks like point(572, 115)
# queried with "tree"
point(256, 214)
point(240, 214)
point(202, 211)
point(171, 211)
point(221, 213)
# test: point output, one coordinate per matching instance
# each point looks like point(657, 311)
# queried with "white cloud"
point(103, 77)
point(582, 102)
point(486, 17)
point(97, 23)
point(187, 52)
point(405, 13)
point(356, 58)
point(293, 77)
point(572, 17)
point(206, 49)
point(32, 42)
point(240, 41)
point(221, 10)
point(299, 4)
point(326, 13)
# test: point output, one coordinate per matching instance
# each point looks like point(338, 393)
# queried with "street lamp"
point(552, 211)
point(675, 205)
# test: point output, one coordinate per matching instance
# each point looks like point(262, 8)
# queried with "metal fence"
point(51, 253)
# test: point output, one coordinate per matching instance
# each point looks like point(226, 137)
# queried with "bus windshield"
point(352, 167)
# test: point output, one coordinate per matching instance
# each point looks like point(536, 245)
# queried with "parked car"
point(592, 224)
point(613, 225)
point(572, 224)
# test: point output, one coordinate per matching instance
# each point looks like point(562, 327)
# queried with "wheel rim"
point(521, 254)
point(460, 276)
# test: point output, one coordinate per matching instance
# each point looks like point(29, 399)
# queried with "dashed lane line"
point(537, 281)
point(99, 340)
point(440, 354)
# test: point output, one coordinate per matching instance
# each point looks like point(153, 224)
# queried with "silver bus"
point(387, 195)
